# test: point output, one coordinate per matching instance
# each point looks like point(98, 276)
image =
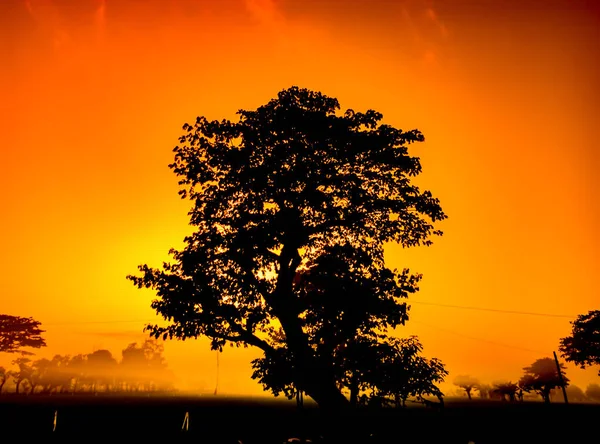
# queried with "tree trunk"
point(323, 389)
point(468, 393)
point(17, 384)
point(354, 390)
point(2, 385)
point(546, 396)
point(315, 378)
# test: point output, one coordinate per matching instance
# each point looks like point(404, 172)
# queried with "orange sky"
point(94, 93)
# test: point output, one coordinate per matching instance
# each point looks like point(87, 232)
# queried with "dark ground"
point(227, 420)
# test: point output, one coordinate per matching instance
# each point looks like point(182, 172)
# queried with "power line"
point(478, 339)
point(495, 310)
point(52, 324)
point(412, 320)
point(435, 304)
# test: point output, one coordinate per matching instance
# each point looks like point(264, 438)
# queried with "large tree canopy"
point(583, 346)
point(272, 193)
point(17, 332)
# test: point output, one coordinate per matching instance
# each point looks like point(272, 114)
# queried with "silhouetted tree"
point(341, 331)
point(23, 373)
point(144, 367)
point(541, 377)
point(101, 369)
point(574, 394)
point(467, 383)
point(593, 392)
point(400, 372)
point(26, 386)
point(93, 372)
point(17, 332)
point(272, 192)
point(4, 374)
point(344, 333)
point(506, 390)
point(77, 370)
point(53, 375)
point(39, 373)
point(484, 390)
point(389, 371)
point(583, 346)
point(61, 374)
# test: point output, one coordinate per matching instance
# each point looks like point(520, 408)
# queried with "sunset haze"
point(94, 94)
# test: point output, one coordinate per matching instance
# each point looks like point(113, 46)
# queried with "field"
point(231, 420)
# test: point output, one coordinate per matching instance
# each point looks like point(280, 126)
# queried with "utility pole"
point(560, 378)
point(217, 379)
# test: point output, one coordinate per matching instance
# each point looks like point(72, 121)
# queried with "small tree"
point(101, 369)
point(77, 370)
point(467, 383)
point(506, 390)
point(574, 394)
point(404, 373)
point(389, 371)
point(17, 332)
point(39, 374)
point(593, 392)
point(61, 373)
point(144, 367)
point(484, 390)
point(23, 373)
point(541, 377)
point(583, 346)
point(4, 374)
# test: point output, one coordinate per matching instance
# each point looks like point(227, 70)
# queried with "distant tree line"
point(539, 379)
point(142, 368)
point(542, 377)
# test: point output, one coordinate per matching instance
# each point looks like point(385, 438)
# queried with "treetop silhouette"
point(289, 183)
point(592, 392)
point(17, 332)
point(466, 382)
point(583, 346)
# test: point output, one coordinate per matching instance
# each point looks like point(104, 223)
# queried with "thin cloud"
point(427, 30)
point(268, 14)
point(434, 18)
point(134, 335)
point(65, 20)
point(265, 10)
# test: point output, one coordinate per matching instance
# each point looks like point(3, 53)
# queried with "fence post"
point(186, 422)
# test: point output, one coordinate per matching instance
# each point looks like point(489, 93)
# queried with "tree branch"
point(244, 336)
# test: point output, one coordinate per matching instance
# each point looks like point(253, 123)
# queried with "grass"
point(227, 420)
